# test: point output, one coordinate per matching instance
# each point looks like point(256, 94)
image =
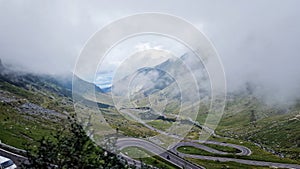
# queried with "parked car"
point(6, 163)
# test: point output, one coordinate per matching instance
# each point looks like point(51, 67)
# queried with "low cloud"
point(258, 41)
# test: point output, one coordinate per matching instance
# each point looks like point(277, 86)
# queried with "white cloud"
point(254, 38)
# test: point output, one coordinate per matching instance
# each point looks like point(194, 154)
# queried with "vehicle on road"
point(6, 163)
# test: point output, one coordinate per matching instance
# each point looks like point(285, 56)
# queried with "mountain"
point(273, 127)
point(42, 102)
point(83, 86)
point(32, 106)
point(36, 82)
point(45, 84)
point(89, 93)
point(106, 89)
point(149, 80)
point(174, 79)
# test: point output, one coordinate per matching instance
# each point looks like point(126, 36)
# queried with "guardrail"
point(12, 149)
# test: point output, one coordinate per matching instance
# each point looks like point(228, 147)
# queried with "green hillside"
point(273, 127)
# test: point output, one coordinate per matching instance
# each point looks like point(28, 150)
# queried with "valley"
point(33, 106)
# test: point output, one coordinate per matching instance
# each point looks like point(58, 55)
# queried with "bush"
point(70, 148)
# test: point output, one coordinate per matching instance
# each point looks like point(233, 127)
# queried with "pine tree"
point(70, 148)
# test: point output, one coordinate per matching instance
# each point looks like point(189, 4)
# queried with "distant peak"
point(145, 69)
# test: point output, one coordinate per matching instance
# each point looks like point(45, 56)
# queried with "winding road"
point(177, 158)
point(157, 150)
point(244, 151)
point(153, 148)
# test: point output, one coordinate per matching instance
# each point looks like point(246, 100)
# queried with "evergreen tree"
point(70, 148)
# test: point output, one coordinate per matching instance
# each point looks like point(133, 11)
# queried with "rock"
point(31, 108)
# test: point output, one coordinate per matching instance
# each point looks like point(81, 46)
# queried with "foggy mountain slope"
point(37, 87)
point(83, 90)
point(275, 127)
point(145, 81)
point(36, 82)
point(48, 84)
point(246, 117)
point(32, 106)
point(182, 72)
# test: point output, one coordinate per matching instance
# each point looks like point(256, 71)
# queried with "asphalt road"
point(198, 146)
point(155, 149)
point(17, 159)
point(244, 151)
point(249, 162)
point(177, 158)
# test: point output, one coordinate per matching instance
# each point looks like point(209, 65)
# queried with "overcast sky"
point(257, 40)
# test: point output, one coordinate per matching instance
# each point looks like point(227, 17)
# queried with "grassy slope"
point(223, 165)
point(148, 158)
point(272, 128)
point(223, 148)
point(18, 127)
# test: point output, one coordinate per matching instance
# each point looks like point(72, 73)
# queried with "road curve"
point(198, 146)
point(176, 157)
point(224, 159)
point(244, 150)
point(248, 162)
point(157, 150)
